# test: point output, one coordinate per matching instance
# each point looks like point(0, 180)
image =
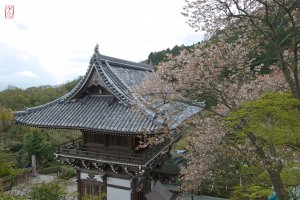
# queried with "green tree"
point(269, 131)
point(5, 118)
point(18, 99)
point(55, 190)
point(254, 192)
point(7, 166)
point(36, 144)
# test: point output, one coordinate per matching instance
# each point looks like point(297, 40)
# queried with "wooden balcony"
point(75, 149)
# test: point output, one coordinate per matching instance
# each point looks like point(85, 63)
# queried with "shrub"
point(55, 190)
point(100, 197)
point(252, 192)
point(66, 172)
point(48, 170)
point(10, 197)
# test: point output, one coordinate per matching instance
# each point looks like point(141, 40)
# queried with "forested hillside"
point(17, 99)
point(18, 143)
point(154, 58)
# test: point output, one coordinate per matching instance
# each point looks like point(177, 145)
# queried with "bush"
point(48, 170)
point(252, 192)
point(101, 197)
point(66, 172)
point(10, 197)
point(7, 166)
point(55, 190)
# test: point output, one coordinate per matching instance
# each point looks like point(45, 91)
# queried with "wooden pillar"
point(131, 142)
point(83, 138)
point(104, 179)
point(78, 184)
point(106, 140)
point(146, 182)
point(134, 193)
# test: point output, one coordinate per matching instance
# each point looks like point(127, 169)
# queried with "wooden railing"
point(76, 149)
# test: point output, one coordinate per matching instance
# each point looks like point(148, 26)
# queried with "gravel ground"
point(24, 188)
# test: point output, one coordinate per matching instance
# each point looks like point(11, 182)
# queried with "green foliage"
point(7, 166)
point(48, 170)
point(5, 118)
point(16, 132)
point(274, 120)
point(156, 57)
point(101, 197)
point(275, 117)
point(36, 144)
point(18, 99)
point(10, 197)
point(181, 144)
point(66, 172)
point(253, 182)
point(253, 192)
point(55, 190)
point(291, 174)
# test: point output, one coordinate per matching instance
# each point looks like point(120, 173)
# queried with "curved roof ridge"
point(116, 78)
point(36, 108)
point(61, 99)
point(79, 85)
point(112, 86)
point(66, 96)
point(126, 63)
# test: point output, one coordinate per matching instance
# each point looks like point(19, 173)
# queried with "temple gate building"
point(106, 158)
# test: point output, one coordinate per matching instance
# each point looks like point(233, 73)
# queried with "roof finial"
point(150, 62)
point(96, 50)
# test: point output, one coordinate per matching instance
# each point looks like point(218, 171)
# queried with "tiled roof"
point(101, 113)
point(109, 113)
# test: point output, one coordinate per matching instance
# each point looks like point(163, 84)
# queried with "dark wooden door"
point(90, 188)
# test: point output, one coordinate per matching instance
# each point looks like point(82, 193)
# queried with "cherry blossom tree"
point(276, 23)
point(272, 31)
point(221, 72)
point(244, 37)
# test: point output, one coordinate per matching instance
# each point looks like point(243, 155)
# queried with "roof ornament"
point(150, 63)
point(96, 50)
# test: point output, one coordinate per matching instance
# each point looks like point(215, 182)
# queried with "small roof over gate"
point(160, 192)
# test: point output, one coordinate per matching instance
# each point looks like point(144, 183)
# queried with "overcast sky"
point(49, 42)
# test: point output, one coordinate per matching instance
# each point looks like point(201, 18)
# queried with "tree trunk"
point(273, 169)
point(278, 185)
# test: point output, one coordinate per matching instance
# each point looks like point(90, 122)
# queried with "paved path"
point(199, 197)
point(24, 188)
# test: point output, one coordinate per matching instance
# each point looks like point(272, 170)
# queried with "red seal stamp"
point(9, 11)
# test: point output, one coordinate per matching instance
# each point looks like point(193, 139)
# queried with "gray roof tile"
point(102, 116)
point(110, 113)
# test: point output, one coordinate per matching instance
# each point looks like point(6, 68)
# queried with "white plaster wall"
point(118, 194)
point(119, 182)
point(86, 175)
